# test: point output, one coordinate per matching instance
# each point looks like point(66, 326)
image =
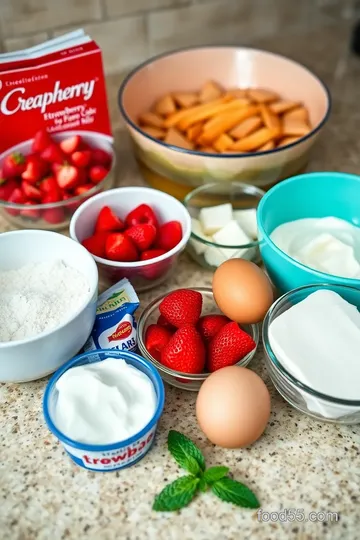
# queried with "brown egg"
point(233, 407)
point(242, 291)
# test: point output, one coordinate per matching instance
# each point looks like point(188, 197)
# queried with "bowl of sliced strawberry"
point(133, 232)
point(186, 337)
point(45, 179)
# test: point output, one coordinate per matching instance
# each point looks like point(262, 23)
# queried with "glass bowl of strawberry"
point(186, 337)
point(133, 232)
point(45, 179)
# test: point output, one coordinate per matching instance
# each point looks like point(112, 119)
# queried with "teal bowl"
point(310, 195)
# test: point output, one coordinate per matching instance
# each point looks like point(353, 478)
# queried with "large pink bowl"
point(177, 170)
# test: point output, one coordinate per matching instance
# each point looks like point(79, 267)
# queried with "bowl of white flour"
point(48, 294)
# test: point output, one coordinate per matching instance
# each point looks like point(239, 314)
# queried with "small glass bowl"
point(242, 197)
point(186, 381)
point(302, 397)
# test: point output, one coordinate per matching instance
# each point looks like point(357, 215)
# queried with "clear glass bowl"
point(186, 381)
point(302, 397)
point(242, 197)
point(57, 216)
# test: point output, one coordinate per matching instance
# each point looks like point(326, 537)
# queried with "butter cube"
point(196, 228)
point(231, 235)
point(214, 218)
point(247, 221)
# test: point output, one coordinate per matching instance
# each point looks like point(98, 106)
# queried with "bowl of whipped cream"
point(104, 407)
point(309, 230)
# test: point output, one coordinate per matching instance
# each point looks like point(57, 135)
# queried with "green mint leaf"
point(213, 474)
point(231, 491)
point(181, 448)
point(202, 484)
point(177, 494)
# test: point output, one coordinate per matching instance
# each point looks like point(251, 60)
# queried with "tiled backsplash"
point(129, 31)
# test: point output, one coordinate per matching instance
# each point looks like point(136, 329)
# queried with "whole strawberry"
point(209, 325)
point(181, 307)
point(229, 346)
point(156, 338)
point(143, 235)
point(185, 352)
point(14, 165)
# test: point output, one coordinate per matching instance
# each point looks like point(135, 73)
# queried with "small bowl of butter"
point(223, 223)
point(311, 338)
point(104, 406)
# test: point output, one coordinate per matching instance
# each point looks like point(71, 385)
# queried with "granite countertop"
point(299, 463)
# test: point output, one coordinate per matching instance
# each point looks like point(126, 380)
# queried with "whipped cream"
point(329, 244)
point(105, 402)
point(318, 342)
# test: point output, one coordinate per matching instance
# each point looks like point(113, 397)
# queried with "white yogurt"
point(104, 402)
point(329, 244)
point(318, 342)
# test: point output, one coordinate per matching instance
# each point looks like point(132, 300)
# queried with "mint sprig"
point(182, 491)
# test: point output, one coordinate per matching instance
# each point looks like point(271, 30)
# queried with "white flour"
point(38, 297)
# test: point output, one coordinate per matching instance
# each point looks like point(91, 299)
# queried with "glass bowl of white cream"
point(104, 406)
point(311, 338)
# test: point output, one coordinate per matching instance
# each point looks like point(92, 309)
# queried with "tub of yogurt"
point(104, 406)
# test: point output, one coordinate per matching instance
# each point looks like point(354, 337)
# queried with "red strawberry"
point(96, 244)
point(41, 141)
point(81, 158)
point(31, 213)
point(13, 165)
point(49, 185)
point(142, 235)
point(228, 347)
point(30, 191)
point(156, 338)
point(120, 248)
point(169, 235)
point(52, 154)
point(97, 173)
point(182, 307)
point(209, 325)
point(53, 215)
point(51, 197)
point(185, 351)
point(141, 214)
point(36, 168)
point(100, 157)
point(68, 177)
point(71, 144)
point(163, 322)
point(151, 254)
point(107, 220)
point(80, 190)
point(16, 197)
point(6, 188)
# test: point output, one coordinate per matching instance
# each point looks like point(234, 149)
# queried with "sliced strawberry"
point(100, 157)
point(31, 213)
point(163, 322)
point(156, 338)
point(210, 325)
point(120, 248)
point(68, 177)
point(182, 307)
point(13, 165)
point(80, 190)
point(96, 244)
point(228, 347)
point(185, 352)
point(151, 254)
point(51, 197)
point(169, 235)
point(6, 188)
point(81, 158)
point(35, 170)
point(49, 185)
point(52, 154)
point(54, 215)
point(30, 191)
point(41, 141)
point(143, 235)
point(55, 167)
point(107, 220)
point(16, 197)
point(141, 214)
point(97, 173)
point(71, 144)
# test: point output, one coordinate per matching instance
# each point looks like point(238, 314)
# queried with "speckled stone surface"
point(298, 463)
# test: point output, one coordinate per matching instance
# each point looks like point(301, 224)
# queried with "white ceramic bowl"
point(36, 357)
point(143, 274)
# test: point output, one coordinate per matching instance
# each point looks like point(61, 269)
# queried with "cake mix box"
point(58, 85)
